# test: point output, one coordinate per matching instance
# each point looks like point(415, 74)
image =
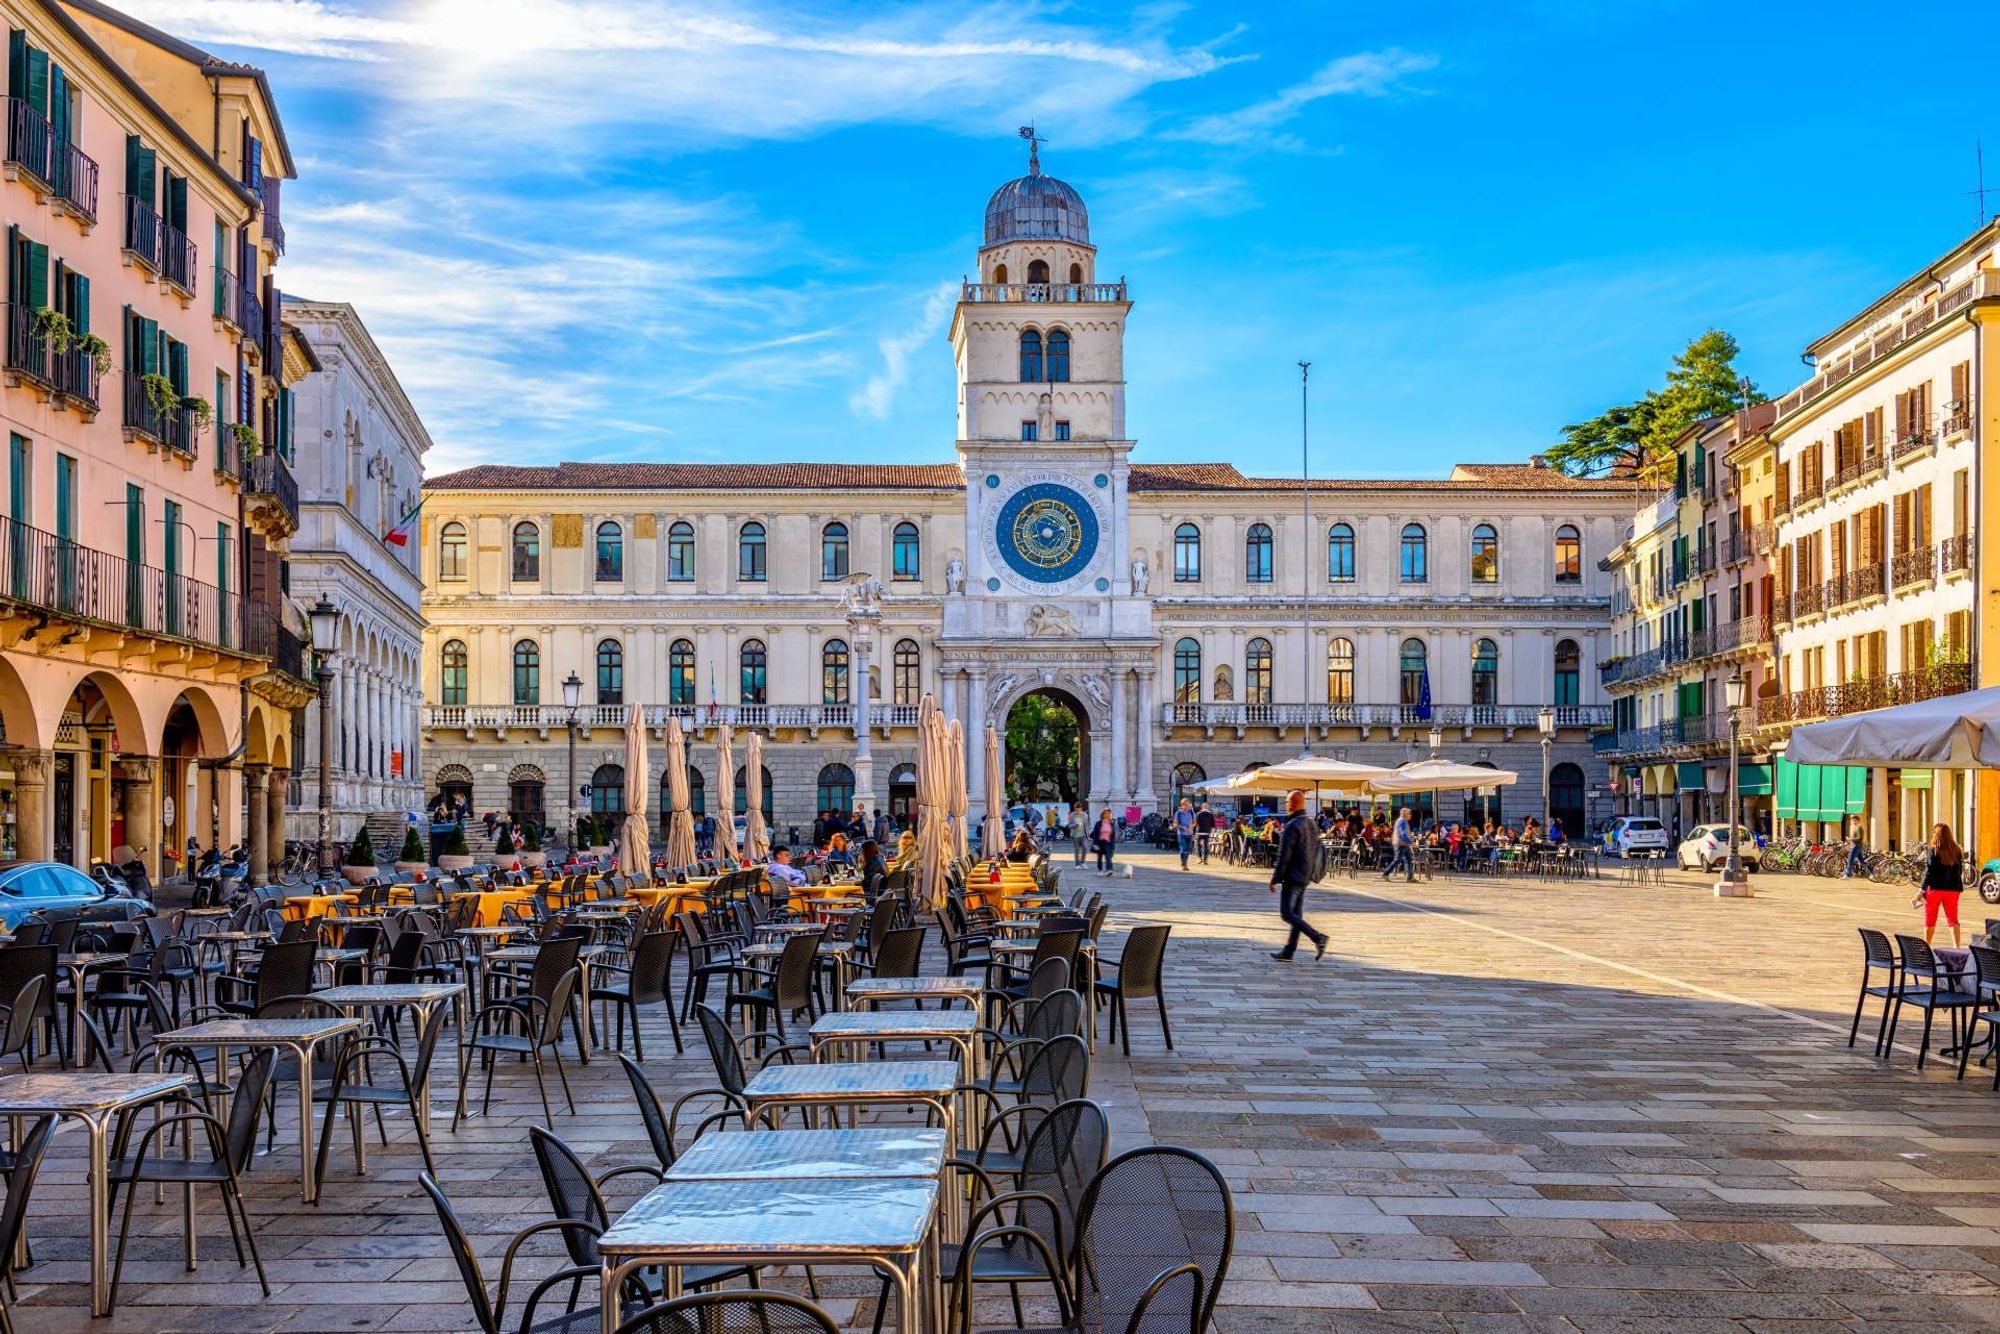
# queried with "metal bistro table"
point(885, 1223)
point(855, 1084)
point(422, 1000)
point(93, 1099)
point(867, 992)
point(586, 959)
point(298, 1036)
point(78, 966)
point(870, 1151)
point(840, 951)
point(859, 1028)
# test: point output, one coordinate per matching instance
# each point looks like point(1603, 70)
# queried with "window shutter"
point(15, 265)
point(38, 275)
point(177, 366)
point(36, 92)
point(149, 347)
point(59, 108)
point(79, 302)
point(177, 202)
point(17, 63)
point(258, 586)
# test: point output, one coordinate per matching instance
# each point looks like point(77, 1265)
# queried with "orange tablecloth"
point(491, 901)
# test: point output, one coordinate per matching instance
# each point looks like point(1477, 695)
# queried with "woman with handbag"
point(1944, 881)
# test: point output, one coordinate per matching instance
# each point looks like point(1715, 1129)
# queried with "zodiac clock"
point(1045, 532)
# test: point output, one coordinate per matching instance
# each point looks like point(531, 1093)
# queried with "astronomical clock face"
point(1045, 531)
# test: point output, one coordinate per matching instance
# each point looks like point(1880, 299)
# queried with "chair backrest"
point(1876, 949)
point(792, 983)
point(1139, 965)
point(1058, 1071)
point(722, 1049)
point(29, 934)
point(285, 970)
point(1055, 1015)
point(1063, 1156)
point(21, 1181)
point(239, 1136)
point(62, 933)
point(406, 956)
point(1056, 945)
point(1049, 977)
point(18, 963)
point(736, 1311)
point(652, 1114)
point(652, 954)
point(1097, 916)
point(462, 1255)
point(1150, 1210)
point(555, 959)
point(1062, 921)
point(1988, 962)
point(1917, 956)
point(572, 1192)
point(899, 953)
point(21, 1014)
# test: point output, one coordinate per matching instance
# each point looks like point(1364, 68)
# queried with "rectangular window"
point(1062, 430)
point(1027, 430)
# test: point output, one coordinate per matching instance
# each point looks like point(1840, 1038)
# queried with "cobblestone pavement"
point(1492, 1106)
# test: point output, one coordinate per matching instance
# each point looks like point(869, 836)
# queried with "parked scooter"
point(217, 874)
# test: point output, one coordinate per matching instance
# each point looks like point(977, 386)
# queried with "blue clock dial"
point(1046, 533)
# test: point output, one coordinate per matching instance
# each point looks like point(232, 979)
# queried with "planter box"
point(450, 862)
point(359, 875)
point(412, 868)
point(508, 862)
point(534, 859)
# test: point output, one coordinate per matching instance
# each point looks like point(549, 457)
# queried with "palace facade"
point(1195, 619)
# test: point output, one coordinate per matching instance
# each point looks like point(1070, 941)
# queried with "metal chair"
point(21, 1167)
point(1923, 982)
point(1138, 970)
point(731, 1313)
point(18, 963)
point(786, 989)
point(489, 1310)
point(1156, 1227)
point(285, 970)
point(1876, 953)
point(526, 1026)
point(21, 1017)
point(355, 1062)
point(1986, 961)
point(649, 980)
point(897, 953)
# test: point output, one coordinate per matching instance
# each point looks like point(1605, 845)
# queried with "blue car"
point(58, 891)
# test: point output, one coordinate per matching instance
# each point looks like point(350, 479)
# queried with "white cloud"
point(878, 396)
point(1366, 74)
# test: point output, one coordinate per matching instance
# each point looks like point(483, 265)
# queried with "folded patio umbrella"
point(725, 779)
point(756, 838)
point(635, 841)
point(933, 766)
point(680, 820)
point(958, 797)
point(993, 834)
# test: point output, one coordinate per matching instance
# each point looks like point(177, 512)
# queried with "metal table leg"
point(100, 1216)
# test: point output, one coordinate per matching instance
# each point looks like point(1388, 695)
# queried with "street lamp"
point(572, 688)
point(1734, 884)
point(324, 622)
point(1545, 723)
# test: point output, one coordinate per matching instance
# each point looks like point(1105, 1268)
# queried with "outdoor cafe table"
point(882, 1222)
point(94, 1099)
point(586, 959)
point(865, 992)
point(853, 1084)
point(832, 1033)
point(422, 1000)
point(868, 1151)
point(297, 1036)
point(840, 951)
point(78, 965)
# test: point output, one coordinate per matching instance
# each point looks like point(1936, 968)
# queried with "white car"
point(1707, 848)
point(1635, 833)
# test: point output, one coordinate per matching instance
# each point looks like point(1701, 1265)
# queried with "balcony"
point(1955, 554)
point(226, 309)
point(1915, 439)
point(268, 479)
point(159, 246)
point(1704, 560)
point(1957, 422)
point(67, 373)
point(228, 455)
point(58, 167)
point(1915, 567)
point(1514, 716)
point(1807, 602)
point(693, 717)
point(52, 575)
point(1746, 632)
point(1856, 586)
point(172, 429)
point(1652, 739)
point(274, 230)
point(1639, 666)
point(1982, 286)
point(1862, 695)
point(1806, 493)
point(249, 313)
point(1862, 470)
point(1034, 293)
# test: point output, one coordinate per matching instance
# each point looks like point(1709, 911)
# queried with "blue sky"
point(626, 229)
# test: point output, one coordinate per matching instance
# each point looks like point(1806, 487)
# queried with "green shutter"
point(140, 167)
point(38, 275)
point(1857, 789)
point(17, 265)
point(37, 94)
point(59, 109)
point(135, 524)
point(177, 366)
point(219, 293)
point(149, 347)
point(1787, 800)
point(79, 302)
point(17, 63)
point(17, 478)
point(170, 537)
point(65, 497)
point(176, 201)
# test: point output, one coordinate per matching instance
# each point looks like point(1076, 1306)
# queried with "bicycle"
point(300, 865)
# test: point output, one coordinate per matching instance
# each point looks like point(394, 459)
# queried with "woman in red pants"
point(1944, 880)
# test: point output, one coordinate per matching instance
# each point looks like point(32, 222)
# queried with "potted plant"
point(412, 858)
point(160, 394)
point(201, 410)
point(359, 866)
point(456, 856)
point(247, 442)
point(504, 856)
point(99, 352)
point(600, 837)
point(586, 834)
point(531, 845)
point(53, 326)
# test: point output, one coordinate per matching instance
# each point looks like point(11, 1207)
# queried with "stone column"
point(1147, 794)
point(32, 832)
point(142, 809)
point(278, 785)
point(975, 748)
point(257, 782)
point(1119, 782)
point(862, 641)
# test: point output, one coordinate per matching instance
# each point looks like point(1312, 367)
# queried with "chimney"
point(1538, 460)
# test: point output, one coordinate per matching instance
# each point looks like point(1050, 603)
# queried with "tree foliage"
point(1043, 750)
point(1702, 382)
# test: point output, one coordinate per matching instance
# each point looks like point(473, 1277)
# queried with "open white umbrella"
point(1308, 773)
point(933, 765)
point(955, 794)
point(680, 820)
point(635, 843)
point(993, 834)
point(1439, 775)
point(756, 838)
point(725, 781)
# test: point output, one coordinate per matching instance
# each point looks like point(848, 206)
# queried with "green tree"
point(1042, 750)
point(1702, 382)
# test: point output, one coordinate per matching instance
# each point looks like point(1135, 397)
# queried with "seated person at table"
point(906, 852)
point(1022, 848)
point(874, 870)
point(781, 871)
point(836, 851)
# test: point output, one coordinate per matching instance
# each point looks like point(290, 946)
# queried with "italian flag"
point(399, 536)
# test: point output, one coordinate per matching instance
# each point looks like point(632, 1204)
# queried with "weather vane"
point(1035, 143)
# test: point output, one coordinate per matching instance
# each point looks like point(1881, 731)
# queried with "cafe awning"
point(1950, 732)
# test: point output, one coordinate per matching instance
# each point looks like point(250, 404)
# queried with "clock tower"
point(1051, 596)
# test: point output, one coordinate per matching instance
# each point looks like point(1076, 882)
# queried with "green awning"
point(1689, 777)
point(1829, 792)
point(1914, 780)
point(1753, 780)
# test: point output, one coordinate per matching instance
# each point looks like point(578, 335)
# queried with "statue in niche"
point(1225, 687)
point(954, 575)
point(1045, 418)
point(1141, 576)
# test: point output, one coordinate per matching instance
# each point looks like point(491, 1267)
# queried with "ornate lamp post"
point(572, 688)
point(1437, 744)
point(324, 622)
point(1545, 723)
point(1734, 883)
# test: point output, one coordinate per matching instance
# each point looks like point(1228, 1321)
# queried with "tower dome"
point(1036, 208)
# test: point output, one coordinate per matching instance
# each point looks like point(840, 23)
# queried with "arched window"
point(765, 796)
point(610, 553)
point(451, 551)
point(1485, 554)
point(1000, 273)
point(1057, 366)
point(607, 792)
point(1186, 774)
point(1569, 673)
point(1187, 672)
point(1257, 554)
point(527, 672)
point(1187, 554)
point(697, 792)
point(527, 558)
point(1485, 672)
point(680, 553)
point(1257, 672)
point(1031, 355)
point(1415, 672)
point(752, 678)
point(1569, 555)
point(1075, 274)
point(750, 553)
point(1038, 270)
point(833, 551)
point(835, 789)
point(451, 672)
point(680, 673)
point(833, 673)
point(610, 672)
point(1416, 554)
point(1566, 798)
point(1340, 672)
point(906, 555)
point(1340, 553)
point(908, 682)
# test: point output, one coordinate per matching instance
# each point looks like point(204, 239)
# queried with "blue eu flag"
point(1424, 697)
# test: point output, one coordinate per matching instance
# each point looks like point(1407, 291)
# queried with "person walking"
point(1944, 881)
point(1403, 841)
point(1104, 836)
point(1290, 876)
point(1204, 832)
point(1076, 823)
point(1184, 830)
point(1857, 851)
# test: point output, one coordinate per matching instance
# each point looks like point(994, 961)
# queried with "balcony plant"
point(202, 410)
point(97, 350)
point(456, 856)
point(531, 845)
point(160, 393)
point(504, 856)
point(52, 325)
point(359, 864)
point(246, 440)
point(412, 858)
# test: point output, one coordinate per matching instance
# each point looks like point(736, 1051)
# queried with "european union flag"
point(1424, 697)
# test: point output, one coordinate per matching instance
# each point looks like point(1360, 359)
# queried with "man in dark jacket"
point(1292, 874)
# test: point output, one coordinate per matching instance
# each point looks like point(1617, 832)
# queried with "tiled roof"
point(1464, 477)
point(704, 477)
